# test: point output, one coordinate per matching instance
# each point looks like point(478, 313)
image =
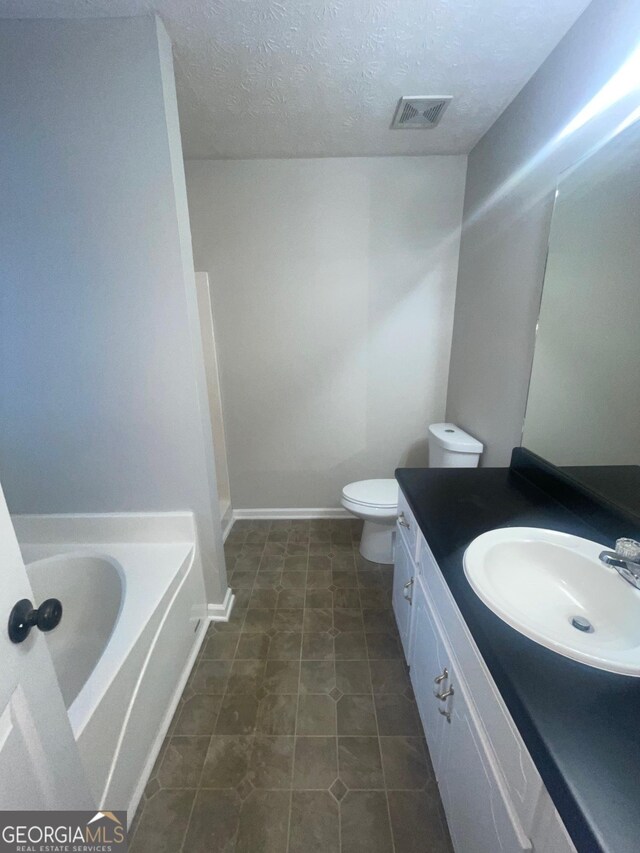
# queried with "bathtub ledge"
point(89, 528)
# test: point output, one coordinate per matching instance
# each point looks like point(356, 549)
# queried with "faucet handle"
point(628, 549)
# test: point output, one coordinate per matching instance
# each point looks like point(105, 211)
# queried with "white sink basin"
point(539, 581)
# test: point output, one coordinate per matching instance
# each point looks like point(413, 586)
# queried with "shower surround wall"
point(333, 286)
point(102, 385)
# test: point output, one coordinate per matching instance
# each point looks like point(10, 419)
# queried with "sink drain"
point(582, 624)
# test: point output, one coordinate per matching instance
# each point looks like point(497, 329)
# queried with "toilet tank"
point(452, 447)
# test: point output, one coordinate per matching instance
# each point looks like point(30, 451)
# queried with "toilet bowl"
point(376, 501)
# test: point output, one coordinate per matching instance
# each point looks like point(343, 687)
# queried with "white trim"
point(227, 523)
point(222, 612)
point(164, 728)
point(292, 512)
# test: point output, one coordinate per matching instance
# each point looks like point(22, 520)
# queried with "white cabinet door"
point(429, 674)
point(403, 582)
point(479, 812)
point(40, 766)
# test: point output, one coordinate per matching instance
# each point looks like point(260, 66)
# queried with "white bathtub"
point(92, 589)
point(131, 626)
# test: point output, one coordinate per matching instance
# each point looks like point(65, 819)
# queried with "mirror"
point(583, 407)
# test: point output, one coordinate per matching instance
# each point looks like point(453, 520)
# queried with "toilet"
point(376, 501)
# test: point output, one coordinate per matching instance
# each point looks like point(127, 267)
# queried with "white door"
point(40, 766)
point(403, 579)
point(480, 816)
point(429, 676)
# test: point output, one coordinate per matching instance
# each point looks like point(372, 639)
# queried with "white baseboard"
point(221, 612)
point(270, 514)
point(227, 524)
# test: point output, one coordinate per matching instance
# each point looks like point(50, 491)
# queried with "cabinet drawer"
point(521, 778)
point(407, 526)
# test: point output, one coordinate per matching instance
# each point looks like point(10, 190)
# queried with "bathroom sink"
point(552, 588)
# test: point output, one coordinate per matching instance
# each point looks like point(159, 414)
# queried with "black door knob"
point(24, 617)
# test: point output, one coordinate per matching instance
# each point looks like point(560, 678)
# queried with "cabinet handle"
point(446, 714)
point(405, 591)
point(445, 694)
point(440, 678)
point(402, 521)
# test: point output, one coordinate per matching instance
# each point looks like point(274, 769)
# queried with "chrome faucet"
point(625, 560)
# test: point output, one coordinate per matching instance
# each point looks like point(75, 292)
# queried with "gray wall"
point(101, 369)
point(510, 181)
point(333, 285)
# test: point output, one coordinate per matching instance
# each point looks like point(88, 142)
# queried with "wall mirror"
point(583, 407)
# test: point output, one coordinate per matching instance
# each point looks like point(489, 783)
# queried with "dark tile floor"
point(297, 731)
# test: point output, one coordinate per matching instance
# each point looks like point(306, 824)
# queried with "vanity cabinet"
point(492, 793)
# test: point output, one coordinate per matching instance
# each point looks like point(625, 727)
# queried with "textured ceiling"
point(308, 78)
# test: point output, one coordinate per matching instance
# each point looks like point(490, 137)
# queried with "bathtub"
point(133, 620)
point(81, 638)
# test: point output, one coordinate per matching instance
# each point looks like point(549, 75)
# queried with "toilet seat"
point(382, 494)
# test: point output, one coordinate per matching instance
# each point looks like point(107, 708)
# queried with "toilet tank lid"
point(451, 437)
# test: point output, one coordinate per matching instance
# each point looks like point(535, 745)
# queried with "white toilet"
point(376, 501)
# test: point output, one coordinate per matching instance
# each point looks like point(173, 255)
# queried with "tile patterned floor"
point(297, 731)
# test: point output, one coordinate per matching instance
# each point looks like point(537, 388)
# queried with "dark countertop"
point(580, 725)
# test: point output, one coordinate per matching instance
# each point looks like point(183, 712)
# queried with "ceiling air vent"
point(419, 113)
